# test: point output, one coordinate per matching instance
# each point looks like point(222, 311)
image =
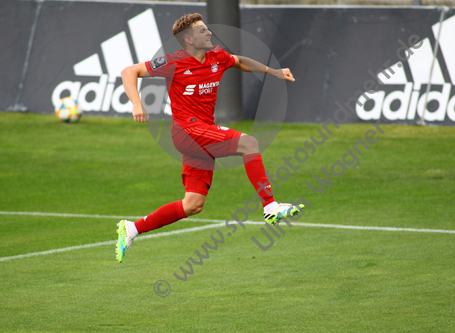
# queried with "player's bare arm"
point(249, 65)
point(129, 77)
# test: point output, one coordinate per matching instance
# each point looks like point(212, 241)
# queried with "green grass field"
point(313, 279)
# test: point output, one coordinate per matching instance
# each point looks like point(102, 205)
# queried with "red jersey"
point(192, 85)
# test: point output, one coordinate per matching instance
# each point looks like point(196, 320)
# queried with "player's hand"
point(283, 74)
point(286, 75)
point(139, 113)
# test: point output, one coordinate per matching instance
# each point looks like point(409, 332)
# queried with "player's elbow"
point(133, 71)
point(128, 71)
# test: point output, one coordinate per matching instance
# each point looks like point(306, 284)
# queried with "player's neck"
point(200, 57)
point(199, 54)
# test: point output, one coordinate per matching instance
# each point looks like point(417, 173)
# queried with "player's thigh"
point(221, 141)
point(196, 180)
point(195, 199)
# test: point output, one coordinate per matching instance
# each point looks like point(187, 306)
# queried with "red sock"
point(256, 173)
point(164, 215)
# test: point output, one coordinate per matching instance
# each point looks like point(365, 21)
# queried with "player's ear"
point(188, 40)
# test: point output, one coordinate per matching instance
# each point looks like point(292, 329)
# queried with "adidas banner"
point(353, 64)
point(364, 64)
point(80, 48)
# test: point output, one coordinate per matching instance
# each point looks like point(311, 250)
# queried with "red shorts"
point(199, 145)
point(193, 184)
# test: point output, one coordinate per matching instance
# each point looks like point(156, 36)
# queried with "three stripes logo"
point(108, 90)
point(408, 103)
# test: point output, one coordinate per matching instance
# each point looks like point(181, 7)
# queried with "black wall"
point(330, 51)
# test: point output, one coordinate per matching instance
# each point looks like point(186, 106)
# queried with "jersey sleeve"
point(224, 57)
point(161, 66)
point(229, 59)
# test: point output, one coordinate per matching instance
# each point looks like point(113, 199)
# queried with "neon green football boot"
point(124, 239)
point(284, 210)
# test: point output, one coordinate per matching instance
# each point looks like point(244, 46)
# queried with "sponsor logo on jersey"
point(187, 72)
point(207, 88)
point(189, 90)
point(223, 128)
point(214, 68)
point(408, 102)
point(107, 87)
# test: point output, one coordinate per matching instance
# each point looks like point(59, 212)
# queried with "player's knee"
point(250, 144)
point(254, 144)
point(196, 208)
point(193, 204)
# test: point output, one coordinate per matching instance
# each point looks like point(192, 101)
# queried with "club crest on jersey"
point(223, 128)
point(214, 68)
point(158, 62)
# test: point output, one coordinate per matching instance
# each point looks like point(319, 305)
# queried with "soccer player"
point(192, 77)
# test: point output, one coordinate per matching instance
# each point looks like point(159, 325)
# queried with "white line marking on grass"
point(72, 215)
point(218, 223)
point(96, 216)
point(71, 248)
point(335, 226)
point(354, 227)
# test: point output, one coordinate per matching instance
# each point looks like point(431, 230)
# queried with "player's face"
point(201, 36)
